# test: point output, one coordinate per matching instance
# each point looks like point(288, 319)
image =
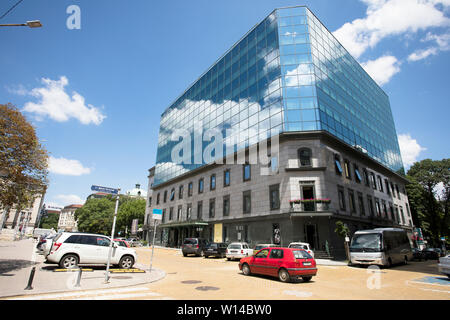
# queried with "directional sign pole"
point(112, 238)
point(156, 215)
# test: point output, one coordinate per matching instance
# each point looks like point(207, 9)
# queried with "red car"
point(284, 263)
point(122, 243)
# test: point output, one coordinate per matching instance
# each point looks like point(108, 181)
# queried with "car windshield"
point(121, 243)
point(300, 254)
point(299, 246)
point(190, 241)
point(234, 246)
point(259, 247)
point(212, 245)
point(370, 242)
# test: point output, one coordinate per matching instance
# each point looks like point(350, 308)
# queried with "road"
point(192, 278)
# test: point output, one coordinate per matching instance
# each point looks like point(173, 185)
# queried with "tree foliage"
point(430, 209)
point(96, 216)
point(23, 160)
point(341, 229)
point(50, 221)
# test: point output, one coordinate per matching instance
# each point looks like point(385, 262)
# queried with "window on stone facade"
point(366, 177)
point(362, 211)
point(304, 156)
point(373, 180)
point(212, 185)
point(180, 192)
point(172, 194)
point(170, 213)
point(157, 198)
point(247, 172)
point(358, 177)
point(347, 169)
point(165, 196)
point(377, 207)
point(190, 189)
point(199, 210)
point(341, 196)
point(247, 202)
point(386, 184)
point(337, 164)
point(384, 207)
point(179, 213)
point(200, 185)
point(189, 211)
point(380, 184)
point(226, 178)
point(274, 197)
point(370, 206)
point(351, 201)
point(212, 208)
point(226, 206)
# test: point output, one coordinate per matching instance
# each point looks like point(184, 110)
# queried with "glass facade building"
point(287, 74)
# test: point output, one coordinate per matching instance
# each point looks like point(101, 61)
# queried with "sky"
point(96, 77)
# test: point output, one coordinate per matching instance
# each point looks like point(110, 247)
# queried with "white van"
point(380, 246)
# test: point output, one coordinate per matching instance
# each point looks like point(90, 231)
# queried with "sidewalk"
point(17, 259)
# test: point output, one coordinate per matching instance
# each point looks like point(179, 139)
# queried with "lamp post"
point(31, 24)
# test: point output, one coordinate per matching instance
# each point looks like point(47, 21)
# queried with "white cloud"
point(67, 167)
point(442, 44)
point(382, 69)
point(68, 199)
point(422, 54)
point(57, 104)
point(409, 149)
point(385, 18)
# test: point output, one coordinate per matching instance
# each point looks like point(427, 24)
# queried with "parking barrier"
point(30, 279)
point(80, 271)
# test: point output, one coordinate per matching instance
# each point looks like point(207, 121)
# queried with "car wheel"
point(306, 279)
point(68, 261)
point(246, 270)
point(283, 275)
point(228, 259)
point(126, 262)
point(184, 254)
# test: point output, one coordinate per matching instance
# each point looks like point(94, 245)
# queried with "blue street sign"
point(105, 189)
point(157, 214)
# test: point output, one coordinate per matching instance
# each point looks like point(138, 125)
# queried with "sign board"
point(442, 238)
point(134, 226)
point(105, 189)
point(218, 232)
point(347, 239)
point(157, 214)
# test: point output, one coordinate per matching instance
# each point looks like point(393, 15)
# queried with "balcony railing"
point(309, 205)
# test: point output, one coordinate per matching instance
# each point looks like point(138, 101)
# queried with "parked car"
point(134, 242)
point(70, 249)
point(418, 254)
point(44, 241)
point(215, 249)
point(284, 263)
point(261, 246)
point(432, 253)
point(302, 245)
point(122, 242)
point(444, 265)
point(238, 250)
point(193, 246)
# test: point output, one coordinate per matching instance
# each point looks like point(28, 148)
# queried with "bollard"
point(79, 278)
point(30, 280)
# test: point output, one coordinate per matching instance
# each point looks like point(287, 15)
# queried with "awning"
point(183, 224)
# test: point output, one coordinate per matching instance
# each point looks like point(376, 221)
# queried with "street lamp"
point(31, 24)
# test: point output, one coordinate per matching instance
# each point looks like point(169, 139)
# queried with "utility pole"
point(112, 238)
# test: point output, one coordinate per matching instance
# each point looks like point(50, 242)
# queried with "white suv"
point(238, 250)
point(70, 249)
point(302, 245)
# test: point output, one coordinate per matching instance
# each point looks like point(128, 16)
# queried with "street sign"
point(105, 189)
point(157, 214)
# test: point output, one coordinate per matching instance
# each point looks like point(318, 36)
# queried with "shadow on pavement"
point(8, 265)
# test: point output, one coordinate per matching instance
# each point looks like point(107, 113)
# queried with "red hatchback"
point(284, 263)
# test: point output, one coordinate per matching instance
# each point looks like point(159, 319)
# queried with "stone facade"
point(310, 222)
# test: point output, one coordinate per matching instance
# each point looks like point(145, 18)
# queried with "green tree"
point(23, 160)
point(128, 211)
point(430, 209)
point(96, 216)
point(50, 221)
point(343, 231)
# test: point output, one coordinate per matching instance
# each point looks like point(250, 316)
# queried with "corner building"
point(338, 158)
